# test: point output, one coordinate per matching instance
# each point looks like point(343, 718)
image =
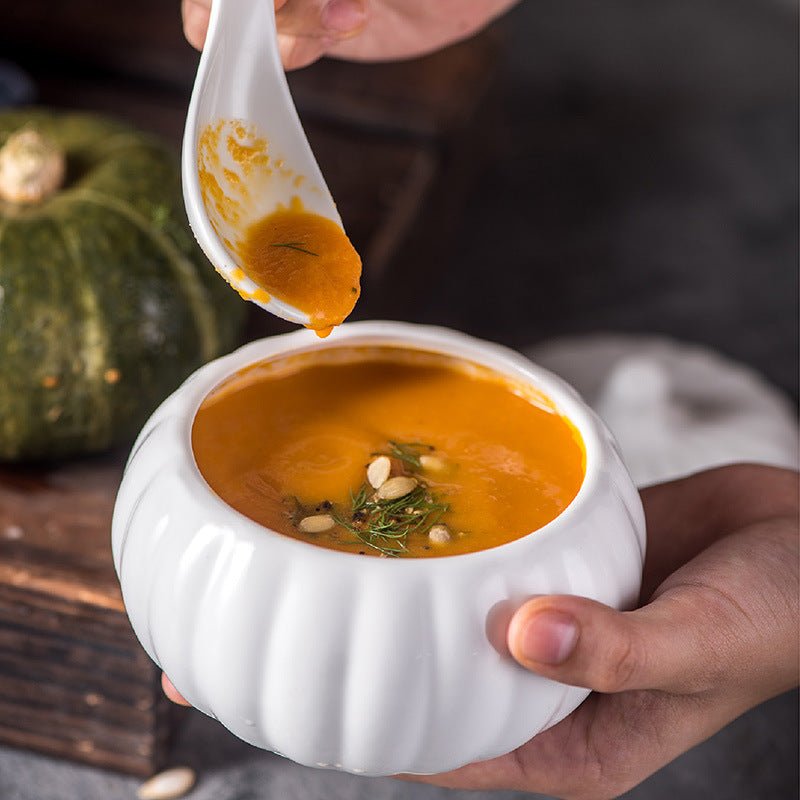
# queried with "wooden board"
point(54, 530)
point(74, 680)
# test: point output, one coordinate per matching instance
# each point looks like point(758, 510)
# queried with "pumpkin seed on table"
point(167, 785)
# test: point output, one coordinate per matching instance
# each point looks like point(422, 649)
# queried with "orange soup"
point(305, 260)
point(387, 452)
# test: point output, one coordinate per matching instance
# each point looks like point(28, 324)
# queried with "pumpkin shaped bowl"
point(368, 665)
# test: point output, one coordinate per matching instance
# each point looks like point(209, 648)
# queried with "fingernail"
point(549, 637)
point(344, 16)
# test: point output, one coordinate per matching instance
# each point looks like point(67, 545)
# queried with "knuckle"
point(622, 663)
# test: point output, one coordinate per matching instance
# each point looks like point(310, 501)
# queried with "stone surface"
point(647, 182)
point(755, 757)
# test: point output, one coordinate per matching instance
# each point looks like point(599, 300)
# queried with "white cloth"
point(675, 408)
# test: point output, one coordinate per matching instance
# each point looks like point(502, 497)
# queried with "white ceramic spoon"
point(241, 79)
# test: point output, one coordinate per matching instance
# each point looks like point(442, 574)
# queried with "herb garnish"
point(295, 246)
point(409, 452)
point(384, 525)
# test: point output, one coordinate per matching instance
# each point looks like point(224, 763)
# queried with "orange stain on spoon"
point(292, 254)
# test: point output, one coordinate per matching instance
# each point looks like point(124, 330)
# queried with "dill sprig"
point(385, 525)
point(295, 246)
point(359, 500)
point(408, 452)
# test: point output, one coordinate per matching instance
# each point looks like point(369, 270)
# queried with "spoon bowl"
point(245, 154)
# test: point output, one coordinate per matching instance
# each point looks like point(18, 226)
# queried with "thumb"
point(307, 28)
point(665, 645)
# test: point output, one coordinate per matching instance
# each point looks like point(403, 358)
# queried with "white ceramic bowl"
point(368, 665)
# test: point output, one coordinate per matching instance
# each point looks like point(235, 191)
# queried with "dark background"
point(647, 181)
point(614, 165)
point(625, 166)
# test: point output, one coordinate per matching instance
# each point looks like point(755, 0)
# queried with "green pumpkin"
point(106, 302)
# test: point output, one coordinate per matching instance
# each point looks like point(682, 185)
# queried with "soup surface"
point(305, 260)
point(388, 452)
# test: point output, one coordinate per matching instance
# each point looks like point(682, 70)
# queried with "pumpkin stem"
point(31, 167)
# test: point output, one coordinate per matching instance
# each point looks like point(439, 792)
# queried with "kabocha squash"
point(106, 302)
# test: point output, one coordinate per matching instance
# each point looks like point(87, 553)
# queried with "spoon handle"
point(242, 34)
point(241, 92)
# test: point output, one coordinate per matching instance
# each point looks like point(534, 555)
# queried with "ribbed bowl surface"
point(368, 665)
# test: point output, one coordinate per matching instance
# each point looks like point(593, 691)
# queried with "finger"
point(299, 51)
point(322, 19)
point(195, 15)
point(171, 692)
point(686, 516)
point(306, 28)
point(668, 645)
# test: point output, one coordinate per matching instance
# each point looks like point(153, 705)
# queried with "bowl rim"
point(439, 340)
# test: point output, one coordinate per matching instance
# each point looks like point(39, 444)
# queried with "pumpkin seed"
point(378, 471)
point(171, 783)
point(317, 523)
point(439, 534)
point(431, 463)
point(395, 488)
